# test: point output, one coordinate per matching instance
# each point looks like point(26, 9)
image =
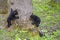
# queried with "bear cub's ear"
point(16, 12)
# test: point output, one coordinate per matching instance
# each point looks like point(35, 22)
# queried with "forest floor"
point(50, 24)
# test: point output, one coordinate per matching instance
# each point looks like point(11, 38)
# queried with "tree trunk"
point(24, 8)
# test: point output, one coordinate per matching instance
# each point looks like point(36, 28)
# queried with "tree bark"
point(24, 8)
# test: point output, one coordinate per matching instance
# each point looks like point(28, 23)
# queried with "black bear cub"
point(35, 20)
point(12, 16)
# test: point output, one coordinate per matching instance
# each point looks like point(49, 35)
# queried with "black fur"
point(12, 16)
point(35, 20)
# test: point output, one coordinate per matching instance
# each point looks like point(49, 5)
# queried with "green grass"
point(19, 34)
